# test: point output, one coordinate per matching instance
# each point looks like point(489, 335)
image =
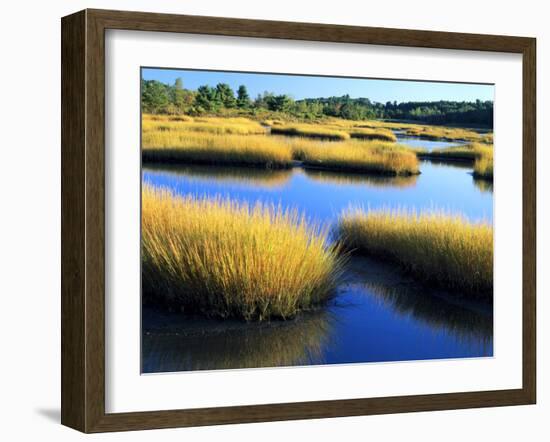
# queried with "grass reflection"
point(267, 178)
point(441, 311)
point(350, 178)
point(436, 311)
point(483, 185)
point(178, 343)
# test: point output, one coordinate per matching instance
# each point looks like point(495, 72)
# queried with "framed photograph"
point(266, 220)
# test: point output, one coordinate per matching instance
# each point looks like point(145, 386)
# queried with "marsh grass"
point(340, 145)
point(466, 152)
point(208, 125)
point(418, 130)
point(331, 130)
point(310, 131)
point(227, 259)
point(483, 167)
point(357, 156)
point(373, 134)
point(438, 248)
point(250, 150)
point(480, 154)
point(446, 133)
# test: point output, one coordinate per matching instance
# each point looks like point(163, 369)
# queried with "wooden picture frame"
point(83, 220)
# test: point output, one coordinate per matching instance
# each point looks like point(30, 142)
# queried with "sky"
point(301, 86)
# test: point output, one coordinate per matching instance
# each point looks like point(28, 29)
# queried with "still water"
point(426, 144)
point(379, 314)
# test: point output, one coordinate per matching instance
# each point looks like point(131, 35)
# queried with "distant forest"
point(161, 98)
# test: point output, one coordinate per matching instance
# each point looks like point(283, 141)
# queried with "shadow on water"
point(248, 176)
point(375, 304)
point(347, 178)
point(449, 163)
point(438, 309)
point(174, 342)
point(483, 185)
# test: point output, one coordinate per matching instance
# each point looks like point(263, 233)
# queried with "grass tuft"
point(185, 147)
point(447, 133)
point(466, 152)
point(310, 131)
point(435, 247)
point(357, 156)
point(223, 258)
point(373, 134)
point(483, 167)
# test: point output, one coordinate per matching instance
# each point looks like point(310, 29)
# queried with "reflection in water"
point(345, 178)
point(483, 185)
point(380, 314)
point(173, 342)
point(429, 145)
point(323, 195)
point(450, 163)
point(248, 176)
point(438, 309)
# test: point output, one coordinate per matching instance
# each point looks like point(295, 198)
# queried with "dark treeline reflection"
point(175, 342)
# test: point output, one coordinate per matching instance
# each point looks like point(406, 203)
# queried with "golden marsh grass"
point(210, 125)
point(445, 133)
point(468, 152)
point(483, 167)
point(359, 156)
point(435, 247)
point(373, 134)
point(310, 131)
point(480, 154)
point(252, 150)
point(223, 258)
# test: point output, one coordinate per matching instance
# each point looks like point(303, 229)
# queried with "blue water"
point(323, 195)
point(379, 313)
point(426, 144)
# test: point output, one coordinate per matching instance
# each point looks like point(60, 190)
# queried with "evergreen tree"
point(207, 99)
point(226, 95)
point(243, 100)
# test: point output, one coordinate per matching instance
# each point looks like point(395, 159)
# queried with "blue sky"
point(299, 86)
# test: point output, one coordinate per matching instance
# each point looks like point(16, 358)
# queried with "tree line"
point(161, 98)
